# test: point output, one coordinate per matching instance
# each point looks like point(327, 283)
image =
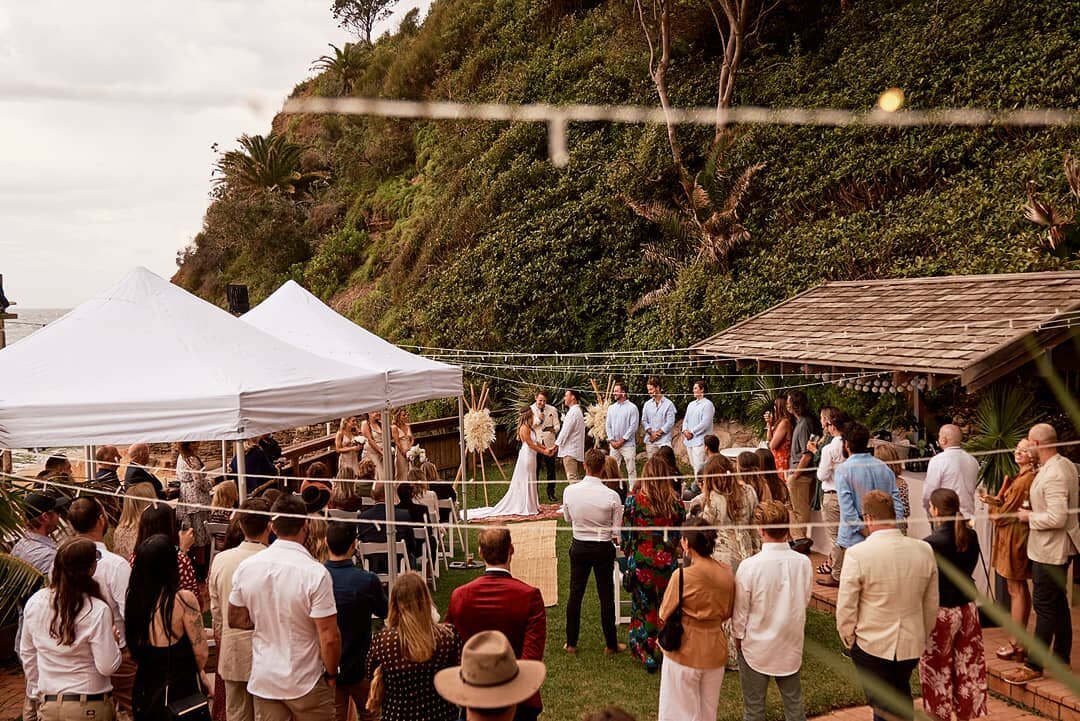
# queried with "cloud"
point(92, 189)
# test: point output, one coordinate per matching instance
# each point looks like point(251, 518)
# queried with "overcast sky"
point(91, 189)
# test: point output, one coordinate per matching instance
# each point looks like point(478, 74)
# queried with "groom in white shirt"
point(570, 445)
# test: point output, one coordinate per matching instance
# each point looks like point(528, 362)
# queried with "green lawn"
point(592, 680)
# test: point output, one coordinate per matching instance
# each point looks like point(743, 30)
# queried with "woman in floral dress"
point(726, 501)
point(779, 424)
point(195, 488)
point(650, 556)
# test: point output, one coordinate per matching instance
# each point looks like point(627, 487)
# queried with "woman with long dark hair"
point(650, 555)
point(779, 426)
point(68, 645)
point(164, 631)
point(160, 519)
point(952, 669)
point(777, 488)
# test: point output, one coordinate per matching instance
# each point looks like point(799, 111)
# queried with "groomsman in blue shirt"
point(697, 424)
point(657, 417)
point(621, 426)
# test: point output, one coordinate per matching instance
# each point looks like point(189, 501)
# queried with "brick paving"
point(12, 692)
point(999, 711)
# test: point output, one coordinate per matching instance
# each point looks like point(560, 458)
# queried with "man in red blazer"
point(496, 601)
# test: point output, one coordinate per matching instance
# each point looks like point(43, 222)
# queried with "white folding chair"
point(455, 519)
point(620, 617)
point(365, 551)
point(216, 531)
point(338, 513)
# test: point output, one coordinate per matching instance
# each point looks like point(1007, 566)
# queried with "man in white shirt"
point(697, 424)
point(595, 512)
point(621, 426)
point(657, 417)
point(547, 427)
point(287, 598)
point(772, 591)
point(832, 455)
point(953, 468)
point(1053, 540)
point(887, 607)
point(571, 440)
point(234, 653)
point(113, 573)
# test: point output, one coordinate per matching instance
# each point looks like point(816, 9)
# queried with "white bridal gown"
point(521, 498)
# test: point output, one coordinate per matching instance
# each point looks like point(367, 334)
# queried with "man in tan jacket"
point(1053, 540)
point(887, 607)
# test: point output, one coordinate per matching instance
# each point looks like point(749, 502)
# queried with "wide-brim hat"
point(315, 496)
point(489, 675)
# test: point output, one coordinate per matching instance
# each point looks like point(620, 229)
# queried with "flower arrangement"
point(416, 455)
point(596, 420)
point(479, 430)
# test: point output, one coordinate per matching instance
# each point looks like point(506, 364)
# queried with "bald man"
point(136, 472)
point(953, 468)
point(1054, 538)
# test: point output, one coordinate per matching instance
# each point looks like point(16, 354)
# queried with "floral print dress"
point(650, 562)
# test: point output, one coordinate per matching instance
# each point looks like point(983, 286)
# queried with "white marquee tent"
point(295, 316)
point(146, 361)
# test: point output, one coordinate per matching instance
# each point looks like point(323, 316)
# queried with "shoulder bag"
point(670, 636)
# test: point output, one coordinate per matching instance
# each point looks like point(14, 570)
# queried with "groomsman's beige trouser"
point(572, 466)
point(697, 458)
point(627, 457)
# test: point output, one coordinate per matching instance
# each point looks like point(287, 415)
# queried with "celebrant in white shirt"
point(570, 445)
point(657, 417)
point(697, 424)
point(546, 426)
point(595, 512)
point(621, 426)
point(953, 468)
point(772, 591)
point(68, 645)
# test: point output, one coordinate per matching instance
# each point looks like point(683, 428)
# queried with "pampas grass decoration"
point(479, 430)
point(596, 420)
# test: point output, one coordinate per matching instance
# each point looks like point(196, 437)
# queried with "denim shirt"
point(855, 477)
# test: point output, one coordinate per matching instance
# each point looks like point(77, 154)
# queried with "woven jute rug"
point(535, 561)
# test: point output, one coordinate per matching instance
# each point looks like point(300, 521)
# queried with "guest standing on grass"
point(887, 607)
point(358, 595)
point(234, 644)
point(595, 513)
point(657, 417)
point(1010, 553)
point(287, 598)
point(496, 601)
point(650, 552)
point(571, 440)
point(164, 630)
point(698, 423)
point(195, 487)
point(621, 426)
point(952, 670)
point(1053, 539)
point(691, 675)
point(772, 591)
point(491, 684)
point(68, 647)
point(406, 655)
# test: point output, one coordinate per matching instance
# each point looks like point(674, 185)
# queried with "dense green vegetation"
point(463, 234)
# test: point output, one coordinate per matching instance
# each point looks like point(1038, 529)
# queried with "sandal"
point(825, 569)
point(1010, 652)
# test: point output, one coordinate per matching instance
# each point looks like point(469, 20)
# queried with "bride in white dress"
point(520, 498)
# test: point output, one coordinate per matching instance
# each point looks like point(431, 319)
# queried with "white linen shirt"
point(83, 667)
point(953, 468)
point(113, 574)
point(658, 417)
point(284, 589)
point(571, 440)
point(593, 509)
point(772, 591)
point(699, 421)
point(622, 423)
point(832, 455)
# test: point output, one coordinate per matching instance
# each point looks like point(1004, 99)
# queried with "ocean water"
point(30, 320)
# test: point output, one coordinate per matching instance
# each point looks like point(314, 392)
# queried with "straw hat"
point(489, 676)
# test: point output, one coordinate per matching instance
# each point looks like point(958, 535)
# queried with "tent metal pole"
point(224, 459)
point(391, 497)
point(241, 469)
point(464, 478)
point(90, 469)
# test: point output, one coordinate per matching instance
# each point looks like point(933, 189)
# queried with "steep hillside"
point(463, 234)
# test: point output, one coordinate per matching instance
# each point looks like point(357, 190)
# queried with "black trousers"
point(551, 463)
point(1053, 620)
point(880, 675)
point(597, 557)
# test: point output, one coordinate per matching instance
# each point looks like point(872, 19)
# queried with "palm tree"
point(1002, 420)
point(18, 579)
point(1054, 220)
point(705, 227)
point(266, 163)
point(344, 66)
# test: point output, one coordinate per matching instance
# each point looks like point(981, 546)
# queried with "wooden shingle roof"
point(975, 327)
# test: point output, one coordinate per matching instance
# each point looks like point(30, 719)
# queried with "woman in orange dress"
point(1010, 556)
point(778, 426)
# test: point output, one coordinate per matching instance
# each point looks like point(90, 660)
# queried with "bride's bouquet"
point(416, 455)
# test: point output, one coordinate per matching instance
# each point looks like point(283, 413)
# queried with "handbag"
point(670, 636)
point(193, 707)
